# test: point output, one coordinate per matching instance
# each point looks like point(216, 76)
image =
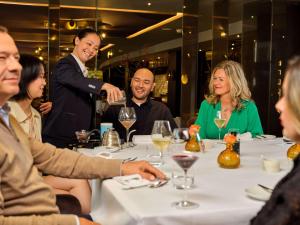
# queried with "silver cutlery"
point(157, 183)
point(129, 159)
point(266, 188)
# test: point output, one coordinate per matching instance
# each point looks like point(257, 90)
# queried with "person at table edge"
point(228, 93)
point(147, 110)
point(283, 207)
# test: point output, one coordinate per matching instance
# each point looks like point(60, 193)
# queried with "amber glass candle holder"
point(193, 144)
point(293, 151)
point(228, 158)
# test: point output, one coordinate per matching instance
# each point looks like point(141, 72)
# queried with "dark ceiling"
point(27, 22)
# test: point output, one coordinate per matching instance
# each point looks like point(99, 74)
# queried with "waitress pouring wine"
point(72, 90)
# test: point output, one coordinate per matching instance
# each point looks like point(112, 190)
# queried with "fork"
point(157, 183)
point(266, 188)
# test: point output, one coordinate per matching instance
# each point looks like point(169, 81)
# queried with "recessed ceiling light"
point(149, 4)
point(103, 35)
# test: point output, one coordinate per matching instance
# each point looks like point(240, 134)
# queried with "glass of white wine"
point(220, 122)
point(161, 137)
point(127, 118)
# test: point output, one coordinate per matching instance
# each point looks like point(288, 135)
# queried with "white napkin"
point(246, 136)
point(95, 152)
point(131, 181)
point(208, 143)
point(142, 139)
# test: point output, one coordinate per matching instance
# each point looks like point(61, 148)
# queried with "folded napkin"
point(131, 181)
point(142, 139)
point(245, 136)
point(95, 152)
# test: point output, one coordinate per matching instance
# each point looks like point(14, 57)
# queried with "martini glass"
point(185, 161)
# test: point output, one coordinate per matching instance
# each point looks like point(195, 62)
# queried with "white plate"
point(257, 193)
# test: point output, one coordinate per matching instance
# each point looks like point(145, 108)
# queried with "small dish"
point(258, 193)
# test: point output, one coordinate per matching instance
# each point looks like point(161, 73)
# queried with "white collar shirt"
point(81, 65)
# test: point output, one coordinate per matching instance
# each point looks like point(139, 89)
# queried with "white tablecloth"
point(219, 192)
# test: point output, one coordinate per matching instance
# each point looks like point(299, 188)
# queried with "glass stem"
point(219, 134)
point(184, 187)
point(127, 136)
point(161, 156)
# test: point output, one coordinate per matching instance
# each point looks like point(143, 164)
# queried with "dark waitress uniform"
point(72, 103)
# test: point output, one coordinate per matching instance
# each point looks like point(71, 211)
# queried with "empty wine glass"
point(220, 122)
point(127, 118)
point(161, 137)
point(180, 135)
point(185, 161)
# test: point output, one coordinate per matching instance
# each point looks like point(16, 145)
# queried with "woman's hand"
point(113, 92)
point(45, 107)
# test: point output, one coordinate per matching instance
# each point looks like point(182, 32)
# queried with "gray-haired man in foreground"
point(24, 197)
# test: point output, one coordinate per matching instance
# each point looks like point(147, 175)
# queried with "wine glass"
point(185, 161)
point(161, 137)
point(180, 135)
point(220, 122)
point(127, 118)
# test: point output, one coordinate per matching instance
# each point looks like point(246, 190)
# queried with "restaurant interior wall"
point(263, 28)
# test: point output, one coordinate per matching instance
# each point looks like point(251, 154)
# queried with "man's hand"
point(144, 168)
point(45, 107)
point(84, 221)
point(113, 93)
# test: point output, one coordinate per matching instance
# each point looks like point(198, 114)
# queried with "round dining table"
point(224, 196)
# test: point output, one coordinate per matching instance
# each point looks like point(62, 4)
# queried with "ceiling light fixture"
point(71, 25)
point(149, 3)
point(223, 34)
point(103, 35)
point(106, 47)
point(84, 7)
point(162, 23)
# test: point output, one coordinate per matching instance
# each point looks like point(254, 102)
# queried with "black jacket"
point(146, 114)
point(72, 103)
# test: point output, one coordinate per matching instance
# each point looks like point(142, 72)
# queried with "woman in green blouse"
point(230, 98)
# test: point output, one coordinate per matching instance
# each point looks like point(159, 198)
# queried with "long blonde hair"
point(293, 90)
point(239, 89)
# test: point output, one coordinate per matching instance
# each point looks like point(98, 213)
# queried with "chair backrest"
point(178, 121)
